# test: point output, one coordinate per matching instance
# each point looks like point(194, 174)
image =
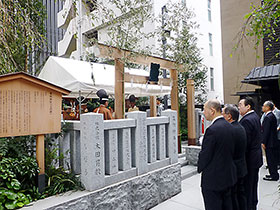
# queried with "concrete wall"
point(243, 60)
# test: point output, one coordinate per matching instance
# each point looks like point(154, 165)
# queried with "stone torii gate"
point(105, 51)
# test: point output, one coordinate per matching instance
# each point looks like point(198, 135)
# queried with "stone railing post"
point(152, 144)
point(111, 152)
point(92, 151)
point(124, 148)
point(139, 142)
point(161, 145)
point(172, 142)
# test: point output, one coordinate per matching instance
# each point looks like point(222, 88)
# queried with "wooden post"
point(191, 114)
point(40, 157)
point(119, 89)
point(175, 101)
point(153, 106)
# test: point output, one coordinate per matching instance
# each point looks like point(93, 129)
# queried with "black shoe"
point(269, 179)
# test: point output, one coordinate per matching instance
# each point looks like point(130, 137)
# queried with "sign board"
point(29, 106)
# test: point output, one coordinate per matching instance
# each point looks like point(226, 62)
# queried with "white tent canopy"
point(89, 77)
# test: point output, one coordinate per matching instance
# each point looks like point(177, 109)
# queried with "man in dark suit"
point(251, 122)
point(231, 114)
point(270, 141)
point(215, 160)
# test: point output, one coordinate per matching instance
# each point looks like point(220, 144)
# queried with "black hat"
point(132, 98)
point(159, 99)
point(102, 94)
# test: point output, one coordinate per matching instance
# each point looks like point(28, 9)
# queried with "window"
point(91, 4)
point(209, 11)
point(211, 79)
point(210, 44)
point(92, 37)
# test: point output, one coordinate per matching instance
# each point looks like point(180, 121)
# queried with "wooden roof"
point(33, 79)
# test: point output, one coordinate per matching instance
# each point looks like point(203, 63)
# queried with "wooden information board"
point(28, 108)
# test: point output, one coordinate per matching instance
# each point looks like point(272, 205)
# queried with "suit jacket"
point(252, 125)
point(269, 131)
point(215, 159)
point(106, 112)
point(276, 112)
point(240, 143)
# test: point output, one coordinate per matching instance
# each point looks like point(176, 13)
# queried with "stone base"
point(142, 192)
point(192, 154)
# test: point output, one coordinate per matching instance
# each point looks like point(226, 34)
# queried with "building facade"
point(243, 60)
point(78, 30)
point(209, 19)
point(53, 35)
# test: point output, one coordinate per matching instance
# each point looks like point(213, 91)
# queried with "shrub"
point(17, 177)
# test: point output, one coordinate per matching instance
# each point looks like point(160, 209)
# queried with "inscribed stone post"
point(140, 141)
point(152, 145)
point(124, 148)
point(172, 142)
point(92, 151)
point(161, 143)
point(111, 152)
point(197, 123)
point(76, 152)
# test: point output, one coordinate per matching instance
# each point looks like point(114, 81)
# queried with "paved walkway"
point(191, 199)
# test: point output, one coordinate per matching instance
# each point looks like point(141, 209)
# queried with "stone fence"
point(105, 152)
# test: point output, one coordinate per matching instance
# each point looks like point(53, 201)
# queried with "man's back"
point(269, 131)
point(216, 157)
point(240, 141)
point(103, 110)
point(251, 123)
point(276, 112)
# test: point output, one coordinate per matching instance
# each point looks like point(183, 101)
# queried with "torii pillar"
point(190, 113)
point(119, 89)
point(175, 101)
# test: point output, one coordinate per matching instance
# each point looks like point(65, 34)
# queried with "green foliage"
point(92, 104)
point(24, 38)
point(183, 123)
point(261, 22)
point(58, 180)
point(17, 172)
point(181, 47)
point(142, 101)
point(17, 146)
point(12, 200)
point(23, 170)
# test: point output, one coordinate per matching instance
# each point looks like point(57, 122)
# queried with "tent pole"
point(80, 103)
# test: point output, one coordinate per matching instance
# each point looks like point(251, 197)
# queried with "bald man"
point(270, 141)
point(216, 160)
